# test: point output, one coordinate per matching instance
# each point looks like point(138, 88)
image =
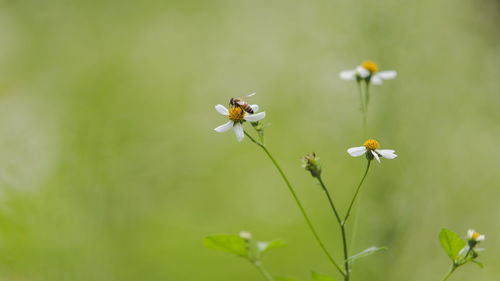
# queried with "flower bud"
point(245, 235)
point(310, 163)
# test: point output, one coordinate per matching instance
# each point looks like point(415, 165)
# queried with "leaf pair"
point(236, 245)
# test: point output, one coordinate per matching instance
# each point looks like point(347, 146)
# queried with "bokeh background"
point(110, 168)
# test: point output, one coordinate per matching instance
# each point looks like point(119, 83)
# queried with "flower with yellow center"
point(368, 70)
point(371, 146)
point(236, 113)
point(237, 116)
point(473, 235)
point(370, 66)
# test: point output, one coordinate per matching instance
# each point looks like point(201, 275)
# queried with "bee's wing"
point(241, 102)
point(251, 95)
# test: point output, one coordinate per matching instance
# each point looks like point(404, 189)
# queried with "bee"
point(241, 103)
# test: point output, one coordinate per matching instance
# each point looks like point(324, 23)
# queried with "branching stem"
point(342, 229)
point(299, 204)
point(356, 193)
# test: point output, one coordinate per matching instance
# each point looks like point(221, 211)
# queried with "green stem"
point(356, 193)
point(467, 254)
point(367, 94)
point(262, 270)
point(342, 229)
point(363, 107)
point(299, 204)
point(329, 199)
point(452, 269)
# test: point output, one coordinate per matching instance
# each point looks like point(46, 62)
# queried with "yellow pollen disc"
point(475, 235)
point(371, 144)
point(370, 66)
point(236, 113)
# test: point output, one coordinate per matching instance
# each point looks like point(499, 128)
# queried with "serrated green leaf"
point(451, 243)
point(364, 253)
point(318, 277)
point(229, 243)
point(481, 265)
point(266, 246)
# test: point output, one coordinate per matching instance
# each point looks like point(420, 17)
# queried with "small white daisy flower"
point(473, 235)
point(368, 70)
point(237, 116)
point(371, 147)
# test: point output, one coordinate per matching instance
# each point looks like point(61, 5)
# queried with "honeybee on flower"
point(371, 149)
point(368, 71)
point(239, 111)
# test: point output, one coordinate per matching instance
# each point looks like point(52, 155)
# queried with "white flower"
point(236, 116)
point(371, 146)
point(473, 235)
point(368, 69)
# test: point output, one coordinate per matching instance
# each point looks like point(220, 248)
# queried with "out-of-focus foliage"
point(110, 168)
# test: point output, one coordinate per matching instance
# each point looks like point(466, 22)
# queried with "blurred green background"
point(110, 168)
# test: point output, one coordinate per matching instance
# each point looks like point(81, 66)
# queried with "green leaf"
point(285, 279)
point(481, 265)
point(318, 277)
point(229, 243)
point(365, 253)
point(451, 243)
point(266, 246)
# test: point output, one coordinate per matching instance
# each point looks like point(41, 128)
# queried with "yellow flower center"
point(371, 144)
point(475, 235)
point(236, 113)
point(370, 66)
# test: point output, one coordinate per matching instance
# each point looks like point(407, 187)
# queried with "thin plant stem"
point(363, 107)
point(357, 191)
point(468, 252)
point(263, 271)
point(299, 204)
point(452, 269)
point(330, 200)
point(342, 229)
point(367, 94)
point(367, 101)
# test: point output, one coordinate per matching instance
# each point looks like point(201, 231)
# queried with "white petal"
point(238, 130)
point(388, 75)
point(376, 80)
point(348, 75)
point(376, 155)
point(470, 232)
point(357, 151)
point(254, 107)
point(222, 109)
point(387, 153)
point(480, 238)
point(254, 117)
point(225, 127)
point(362, 72)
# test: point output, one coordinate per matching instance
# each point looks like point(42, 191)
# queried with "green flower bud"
point(310, 163)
